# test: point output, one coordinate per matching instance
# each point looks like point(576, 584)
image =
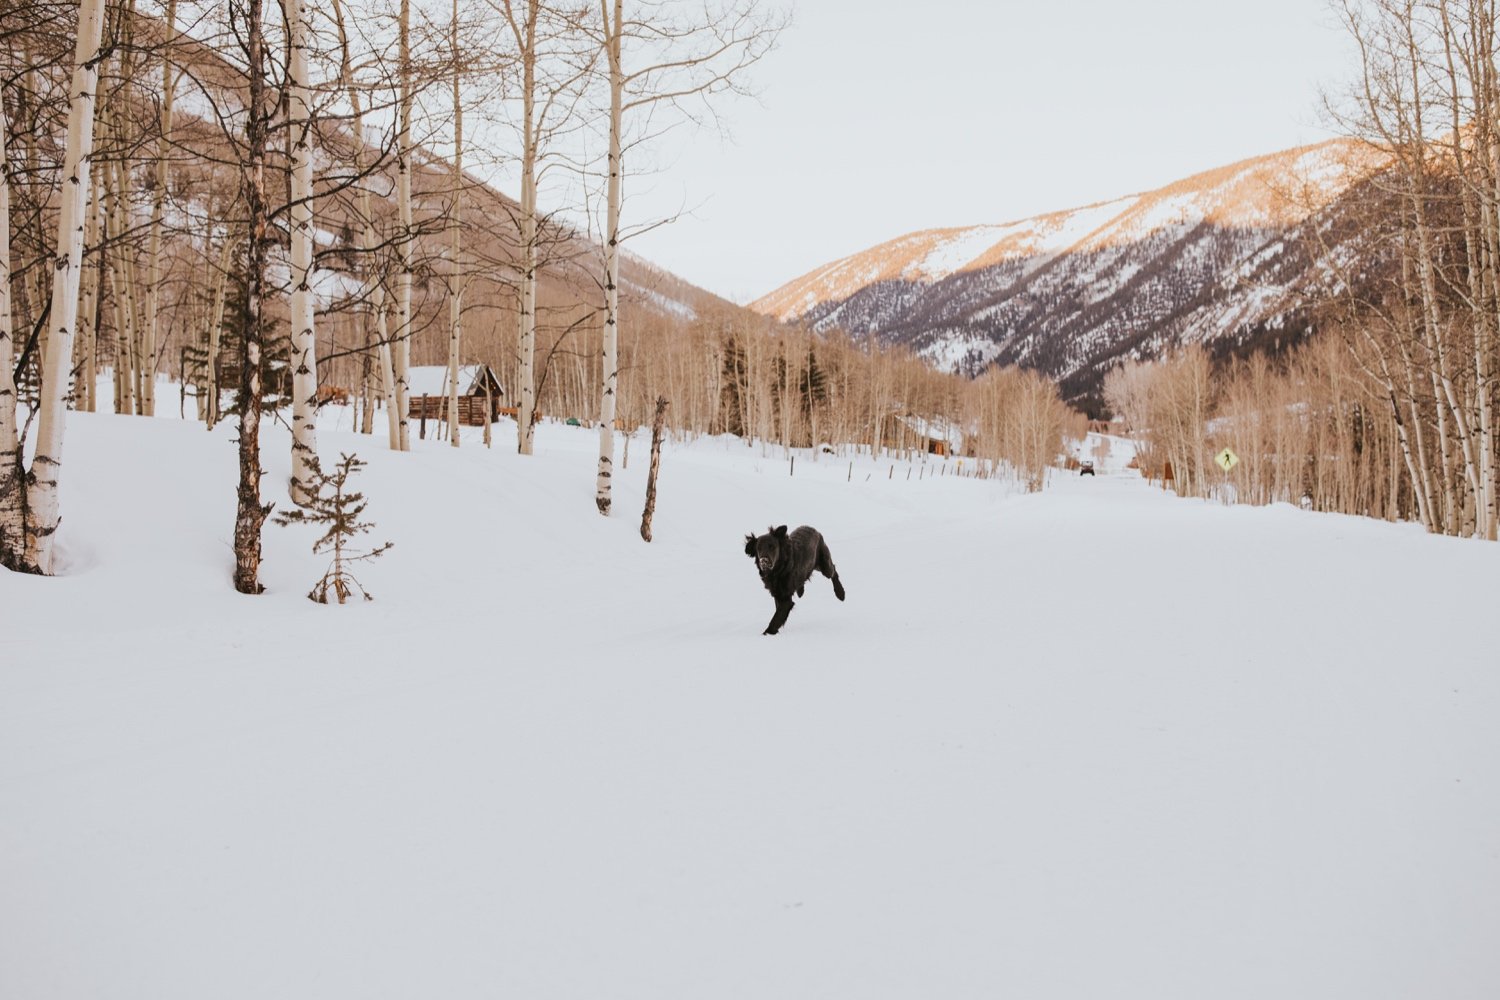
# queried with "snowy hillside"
point(1207, 258)
point(1094, 742)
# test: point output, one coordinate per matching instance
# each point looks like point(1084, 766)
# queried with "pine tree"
point(330, 503)
point(275, 367)
point(734, 383)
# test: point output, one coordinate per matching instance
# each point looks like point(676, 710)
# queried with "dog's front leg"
point(783, 608)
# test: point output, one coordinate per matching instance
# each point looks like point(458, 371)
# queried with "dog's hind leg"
point(826, 567)
point(783, 608)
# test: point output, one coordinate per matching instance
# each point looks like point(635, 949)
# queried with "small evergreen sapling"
point(329, 503)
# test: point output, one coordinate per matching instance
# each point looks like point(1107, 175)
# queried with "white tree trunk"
point(401, 349)
point(381, 308)
point(216, 331)
point(378, 306)
point(88, 328)
point(388, 374)
point(44, 511)
point(1445, 396)
point(1487, 338)
point(527, 374)
point(1489, 501)
point(130, 372)
point(455, 290)
point(119, 285)
point(527, 317)
point(158, 205)
point(304, 342)
point(610, 366)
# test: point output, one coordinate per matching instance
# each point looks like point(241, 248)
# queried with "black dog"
point(785, 562)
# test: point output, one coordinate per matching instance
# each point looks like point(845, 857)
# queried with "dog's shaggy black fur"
point(786, 562)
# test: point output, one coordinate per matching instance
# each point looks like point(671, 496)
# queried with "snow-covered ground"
point(1092, 743)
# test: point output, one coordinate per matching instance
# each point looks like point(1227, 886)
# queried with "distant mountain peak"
point(1070, 292)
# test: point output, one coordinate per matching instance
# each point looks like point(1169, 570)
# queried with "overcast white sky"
point(880, 117)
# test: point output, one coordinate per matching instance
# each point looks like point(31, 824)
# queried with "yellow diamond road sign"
point(1227, 459)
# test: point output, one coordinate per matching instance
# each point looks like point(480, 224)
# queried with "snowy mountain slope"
point(1071, 292)
point(1093, 742)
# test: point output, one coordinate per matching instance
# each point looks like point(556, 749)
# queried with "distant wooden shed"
point(478, 385)
point(935, 437)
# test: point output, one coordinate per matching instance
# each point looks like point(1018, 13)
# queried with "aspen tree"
point(553, 62)
point(455, 235)
point(524, 31)
point(42, 501)
point(211, 412)
point(149, 331)
point(526, 411)
point(88, 325)
point(1386, 368)
point(613, 28)
point(304, 342)
point(399, 400)
point(373, 292)
point(1422, 64)
point(12, 473)
point(681, 61)
point(121, 292)
point(131, 374)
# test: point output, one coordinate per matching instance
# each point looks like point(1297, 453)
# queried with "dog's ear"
point(750, 545)
point(781, 532)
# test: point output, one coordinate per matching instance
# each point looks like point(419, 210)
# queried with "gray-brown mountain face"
point(1218, 257)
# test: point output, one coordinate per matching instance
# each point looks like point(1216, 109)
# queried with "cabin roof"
point(432, 380)
point(935, 430)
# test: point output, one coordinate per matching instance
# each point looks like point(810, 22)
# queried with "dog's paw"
point(770, 631)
